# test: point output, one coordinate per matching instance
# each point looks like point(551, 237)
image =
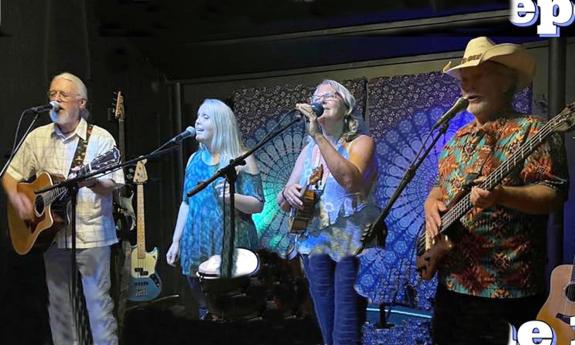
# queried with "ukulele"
point(145, 284)
point(430, 251)
point(560, 305)
point(299, 218)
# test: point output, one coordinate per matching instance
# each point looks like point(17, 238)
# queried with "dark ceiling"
point(189, 39)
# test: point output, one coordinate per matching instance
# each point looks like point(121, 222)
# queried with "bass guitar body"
point(145, 284)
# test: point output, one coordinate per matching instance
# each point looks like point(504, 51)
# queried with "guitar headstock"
point(316, 175)
point(119, 112)
point(140, 175)
point(105, 160)
point(565, 120)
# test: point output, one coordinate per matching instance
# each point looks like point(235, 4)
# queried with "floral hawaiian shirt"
point(499, 252)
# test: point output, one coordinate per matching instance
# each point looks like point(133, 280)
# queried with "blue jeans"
point(334, 298)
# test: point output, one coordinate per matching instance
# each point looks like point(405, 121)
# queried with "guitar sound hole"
point(39, 205)
point(570, 292)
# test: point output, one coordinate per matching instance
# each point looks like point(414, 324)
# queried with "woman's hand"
point(313, 126)
point(292, 194)
point(223, 191)
point(173, 253)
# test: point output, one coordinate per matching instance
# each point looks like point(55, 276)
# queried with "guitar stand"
point(143, 305)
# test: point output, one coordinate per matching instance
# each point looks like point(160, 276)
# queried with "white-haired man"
point(494, 275)
point(52, 148)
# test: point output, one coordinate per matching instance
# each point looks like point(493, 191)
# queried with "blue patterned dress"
point(203, 231)
point(339, 217)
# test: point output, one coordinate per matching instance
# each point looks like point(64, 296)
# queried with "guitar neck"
point(122, 139)
point(140, 222)
point(464, 205)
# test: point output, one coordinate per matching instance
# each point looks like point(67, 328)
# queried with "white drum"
point(246, 263)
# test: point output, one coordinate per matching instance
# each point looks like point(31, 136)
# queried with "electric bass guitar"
point(123, 209)
point(49, 207)
point(145, 284)
point(299, 219)
point(560, 305)
point(430, 251)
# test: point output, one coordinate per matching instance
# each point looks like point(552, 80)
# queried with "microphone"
point(53, 105)
point(190, 131)
point(317, 109)
point(459, 105)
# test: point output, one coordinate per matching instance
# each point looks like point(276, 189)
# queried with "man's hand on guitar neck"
point(433, 207)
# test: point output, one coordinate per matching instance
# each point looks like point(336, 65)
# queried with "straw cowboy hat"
point(483, 49)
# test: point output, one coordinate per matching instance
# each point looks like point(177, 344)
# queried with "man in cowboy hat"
point(494, 275)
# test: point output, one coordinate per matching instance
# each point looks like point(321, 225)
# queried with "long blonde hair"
point(226, 140)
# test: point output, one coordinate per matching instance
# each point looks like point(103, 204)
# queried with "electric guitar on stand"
point(431, 251)
point(145, 284)
point(123, 210)
point(125, 221)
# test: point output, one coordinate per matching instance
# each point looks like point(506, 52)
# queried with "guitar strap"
point(476, 170)
point(80, 153)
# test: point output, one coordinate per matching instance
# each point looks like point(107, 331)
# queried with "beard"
point(62, 117)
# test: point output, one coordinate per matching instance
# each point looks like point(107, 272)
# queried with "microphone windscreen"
point(317, 108)
point(191, 130)
point(55, 106)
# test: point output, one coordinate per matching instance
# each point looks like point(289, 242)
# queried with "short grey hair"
point(82, 90)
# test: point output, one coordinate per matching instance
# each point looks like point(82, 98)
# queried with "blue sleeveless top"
point(203, 231)
point(339, 217)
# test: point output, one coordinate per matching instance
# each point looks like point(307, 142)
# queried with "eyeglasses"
point(65, 96)
point(330, 96)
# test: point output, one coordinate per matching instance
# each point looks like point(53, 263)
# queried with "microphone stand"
point(17, 148)
point(229, 173)
point(379, 227)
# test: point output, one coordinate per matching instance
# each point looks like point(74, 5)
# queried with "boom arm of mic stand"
point(106, 170)
point(239, 160)
point(407, 177)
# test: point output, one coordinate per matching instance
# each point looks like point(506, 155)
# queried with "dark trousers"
point(339, 309)
point(465, 319)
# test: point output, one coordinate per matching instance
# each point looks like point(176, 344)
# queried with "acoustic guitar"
point(49, 207)
point(560, 305)
point(430, 251)
point(145, 284)
point(299, 219)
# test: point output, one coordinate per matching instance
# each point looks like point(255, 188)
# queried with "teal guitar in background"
point(145, 284)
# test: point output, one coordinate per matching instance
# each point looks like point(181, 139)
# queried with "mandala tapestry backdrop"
point(400, 111)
